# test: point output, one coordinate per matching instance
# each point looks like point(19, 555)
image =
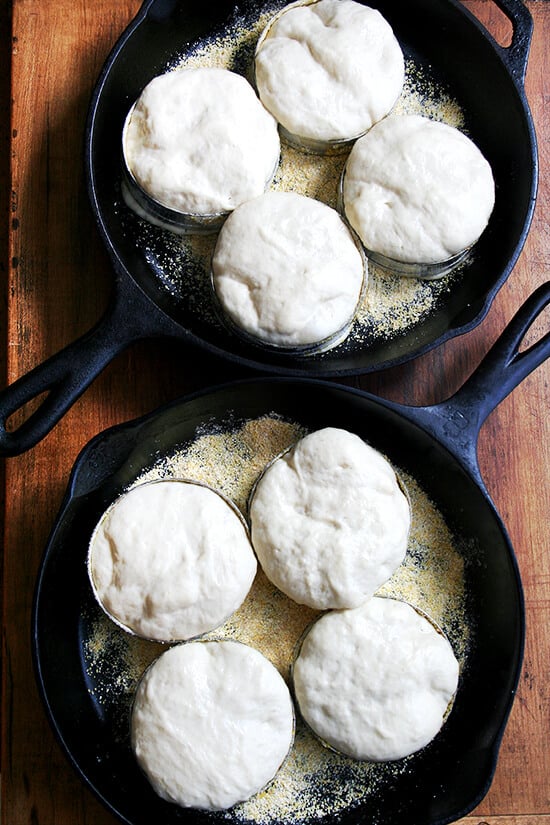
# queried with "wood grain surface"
point(55, 285)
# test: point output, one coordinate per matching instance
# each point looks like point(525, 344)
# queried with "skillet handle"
point(504, 367)
point(516, 54)
point(64, 377)
point(458, 420)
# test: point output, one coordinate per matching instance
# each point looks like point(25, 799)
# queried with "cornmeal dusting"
point(314, 781)
point(391, 304)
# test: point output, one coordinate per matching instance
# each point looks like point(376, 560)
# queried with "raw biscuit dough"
point(287, 270)
point(171, 560)
point(211, 724)
point(375, 682)
point(200, 142)
point(330, 69)
point(329, 521)
point(417, 190)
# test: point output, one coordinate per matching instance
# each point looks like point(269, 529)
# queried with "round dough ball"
point(287, 270)
point(171, 560)
point(416, 190)
point(200, 142)
point(329, 70)
point(375, 682)
point(211, 724)
point(329, 521)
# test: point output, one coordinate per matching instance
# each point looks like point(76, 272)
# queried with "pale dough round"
point(212, 723)
point(199, 141)
point(329, 521)
point(287, 270)
point(330, 69)
point(417, 190)
point(171, 560)
point(375, 682)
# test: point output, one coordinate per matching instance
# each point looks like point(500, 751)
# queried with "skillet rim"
point(170, 326)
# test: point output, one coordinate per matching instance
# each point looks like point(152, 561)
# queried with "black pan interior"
point(450, 49)
point(441, 782)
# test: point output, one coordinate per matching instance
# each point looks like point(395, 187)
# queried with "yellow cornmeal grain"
point(391, 305)
point(230, 461)
point(269, 621)
point(421, 96)
point(233, 50)
point(431, 577)
point(314, 781)
point(310, 175)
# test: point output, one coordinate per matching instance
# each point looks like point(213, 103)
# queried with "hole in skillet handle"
point(64, 376)
point(513, 39)
point(507, 364)
point(536, 330)
point(457, 421)
point(22, 414)
point(35, 403)
point(494, 19)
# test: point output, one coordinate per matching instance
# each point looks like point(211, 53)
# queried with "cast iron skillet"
point(436, 446)
point(454, 50)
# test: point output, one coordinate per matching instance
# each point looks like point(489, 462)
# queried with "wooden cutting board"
point(56, 279)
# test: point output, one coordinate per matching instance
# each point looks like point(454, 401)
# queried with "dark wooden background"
point(55, 285)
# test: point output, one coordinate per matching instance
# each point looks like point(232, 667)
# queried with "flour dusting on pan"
point(314, 781)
